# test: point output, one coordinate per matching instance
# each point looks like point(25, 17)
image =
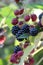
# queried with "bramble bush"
point(21, 34)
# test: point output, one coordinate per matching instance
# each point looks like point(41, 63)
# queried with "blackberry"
point(40, 16)
point(27, 18)
point(21, 11)
point(27, 43)
point(33, 31)
point(25, 28)
point(13, 58)
point(33, 17)
point(15, 29)
point(17, 49)
point(20, 23)
point(16, 12)
point(31, 60)
point(14, 21)
point(20, 32)
point(20, 53)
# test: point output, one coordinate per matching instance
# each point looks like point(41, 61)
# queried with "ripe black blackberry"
point(33, 31)
point(17, 49)
point(25, 28)
point(20, 32)
point(15, 30)
point(40, 16)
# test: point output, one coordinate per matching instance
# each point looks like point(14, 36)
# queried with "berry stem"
point(37, 39)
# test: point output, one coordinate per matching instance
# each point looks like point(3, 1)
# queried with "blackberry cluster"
point(33, 31)
point(25, 29)
point(21, 28)
point(15, 29)
point(15, 57)
point(18, 32)
point(17, 49)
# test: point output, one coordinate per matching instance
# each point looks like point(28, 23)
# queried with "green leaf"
point(31, 38)
point(0, 19)
point(1, 62)
point(5, 11)
point(8, 13)
point(25, 35)
point(5, 62)
point(38, 55)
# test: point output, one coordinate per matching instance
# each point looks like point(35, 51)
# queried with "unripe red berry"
point(21, 11)
point(32, 26)
point(26, 44)
point(16, 12)
point(27, 18)
point(13, 58)
point(33, 17)
point(17, 1)
point(20, 53)
point(20, 24)
point(14, 21)
point(32, 51)
point(31, 61)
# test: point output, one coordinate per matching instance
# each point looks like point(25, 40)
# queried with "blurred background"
point(13, 1)
point(7, 8)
